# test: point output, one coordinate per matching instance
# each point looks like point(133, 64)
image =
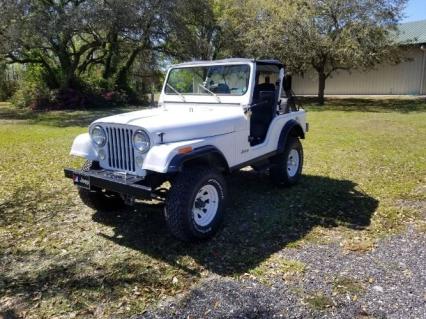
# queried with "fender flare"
point(82, 146)
point(291, 127)
point(207, 153)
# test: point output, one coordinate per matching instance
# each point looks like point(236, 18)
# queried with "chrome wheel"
point(205, 205)
point(293, 162)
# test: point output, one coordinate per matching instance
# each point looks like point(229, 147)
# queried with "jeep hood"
point(183, 123)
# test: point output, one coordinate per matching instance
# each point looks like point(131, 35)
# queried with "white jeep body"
point(190, 122)
point(213, 117)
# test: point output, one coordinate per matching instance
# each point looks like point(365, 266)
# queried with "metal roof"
point(412, 32)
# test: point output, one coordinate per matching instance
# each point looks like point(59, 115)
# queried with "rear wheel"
point(286, 168)
point(99, 200)
point(195, 203)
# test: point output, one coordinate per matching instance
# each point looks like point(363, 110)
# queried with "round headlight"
point(141, 141)
point(99, 136)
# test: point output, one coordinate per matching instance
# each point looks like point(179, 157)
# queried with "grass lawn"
point(364, 178)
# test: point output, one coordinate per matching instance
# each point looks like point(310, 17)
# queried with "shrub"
point(32, 89)
point(31, 94)
point(8, 84)
point(7, 89)
point(34, 92)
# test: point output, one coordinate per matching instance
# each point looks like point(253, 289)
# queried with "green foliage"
point(97, 84)
point(319, 301)
point(196, 32)
point(8, 85)
point(32, 88)
point(34, 93)
point(347, 285)
point(29, 93)
point(324, 36)
point(73, 40)
point(122, 45)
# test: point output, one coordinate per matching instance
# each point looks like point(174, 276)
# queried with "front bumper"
point(110, 180)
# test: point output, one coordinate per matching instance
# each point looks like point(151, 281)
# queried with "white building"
point(406, 78)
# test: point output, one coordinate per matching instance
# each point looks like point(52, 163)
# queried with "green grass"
point(346, 285)
point(364, 177)
point(276, 265)
point(70, 118)
point(319, 301)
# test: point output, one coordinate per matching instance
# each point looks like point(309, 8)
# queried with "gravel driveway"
point(386, 282)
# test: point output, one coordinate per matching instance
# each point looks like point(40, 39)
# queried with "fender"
point(207, 152)
point(83, 147)
point(290, 126)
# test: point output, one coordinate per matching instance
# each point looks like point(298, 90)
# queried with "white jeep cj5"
point(213, 118)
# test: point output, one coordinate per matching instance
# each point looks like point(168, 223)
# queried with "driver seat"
point(263, 113)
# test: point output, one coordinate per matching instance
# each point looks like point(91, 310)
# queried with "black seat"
point(264, 87)
point(221, 88)
point(263, 112)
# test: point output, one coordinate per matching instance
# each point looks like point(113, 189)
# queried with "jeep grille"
point(120, 149)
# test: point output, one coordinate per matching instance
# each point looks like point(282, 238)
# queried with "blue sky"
point(416, 10)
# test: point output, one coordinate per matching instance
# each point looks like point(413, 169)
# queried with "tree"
point(8, 81)
point(193, 30)
point(132, 28)
point(73, 41)
point(49, 33)
point(323, 35)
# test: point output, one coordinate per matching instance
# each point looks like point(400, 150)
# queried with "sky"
point(416, 10)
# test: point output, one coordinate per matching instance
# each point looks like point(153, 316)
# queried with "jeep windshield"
point(209, 80)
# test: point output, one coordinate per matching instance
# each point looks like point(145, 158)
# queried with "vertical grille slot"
point(120, 149)
point(132, 151)
point(109, 146)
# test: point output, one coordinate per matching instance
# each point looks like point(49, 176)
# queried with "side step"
point(261, 166)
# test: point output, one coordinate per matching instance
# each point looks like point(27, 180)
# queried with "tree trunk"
point(68, 68)
point(321, 87)
point(111, 58)
point(121, 80)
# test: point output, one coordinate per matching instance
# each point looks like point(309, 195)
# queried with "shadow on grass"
point(64, 118)
point(366, 105)
point(67, 281)
point(260, 221)
point(30, 198)
point(9, 314)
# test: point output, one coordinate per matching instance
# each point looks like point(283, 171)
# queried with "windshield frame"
point(250, 69)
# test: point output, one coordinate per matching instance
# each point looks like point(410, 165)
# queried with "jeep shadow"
point(260, 220)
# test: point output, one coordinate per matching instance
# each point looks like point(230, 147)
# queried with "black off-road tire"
point(180, 201)
point(99, 200)
point(279, 170)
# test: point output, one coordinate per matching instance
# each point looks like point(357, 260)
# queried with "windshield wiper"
point(212, 93)
point(176, 91)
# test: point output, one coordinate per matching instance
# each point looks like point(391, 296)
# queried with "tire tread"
point(278, 172)
point(178, 197)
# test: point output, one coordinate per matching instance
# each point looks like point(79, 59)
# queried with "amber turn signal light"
point(184, 150)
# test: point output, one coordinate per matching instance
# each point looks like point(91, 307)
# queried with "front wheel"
point(286, 167)
point(195, 203)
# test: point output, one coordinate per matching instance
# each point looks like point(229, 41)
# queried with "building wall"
point(402, 79)
point(423, 91)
